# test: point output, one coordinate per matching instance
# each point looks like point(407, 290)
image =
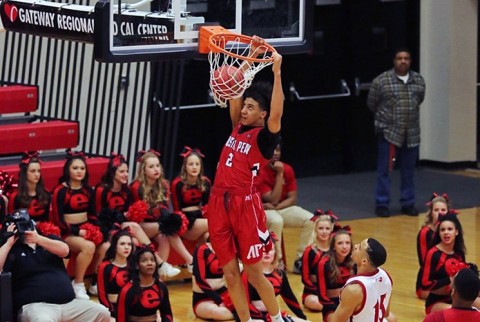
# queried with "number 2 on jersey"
point(228, 163)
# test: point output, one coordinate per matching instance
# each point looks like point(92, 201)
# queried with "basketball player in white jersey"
point(366, 296)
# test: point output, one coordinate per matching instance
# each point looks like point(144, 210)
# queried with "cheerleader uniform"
point(71, 208)
point(310, 262)
point(281, 287)
point(143, 307)
point(424, 243)
point(325, 283)
point(206, 266)
point(185, 195)
point(111, 279)
point(36, 210)
point(435, 275)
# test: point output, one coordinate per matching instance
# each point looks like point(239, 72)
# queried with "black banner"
point(76, 22)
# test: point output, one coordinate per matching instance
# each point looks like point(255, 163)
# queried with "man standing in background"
point(395, 97)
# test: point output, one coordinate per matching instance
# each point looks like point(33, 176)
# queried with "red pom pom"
point(204, 211)
point(47, 228)
point(8, 183)
point(452, 266)
point(93, 233)
point(183, 229)
point(137, 212)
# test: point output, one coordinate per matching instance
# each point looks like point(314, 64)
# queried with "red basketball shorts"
point(237, 226)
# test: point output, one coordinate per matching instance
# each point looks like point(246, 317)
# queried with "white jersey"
point(377, 289)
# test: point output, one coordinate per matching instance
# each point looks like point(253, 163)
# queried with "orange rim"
point(241, 38)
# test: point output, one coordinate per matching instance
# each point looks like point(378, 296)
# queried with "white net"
point(232, 70)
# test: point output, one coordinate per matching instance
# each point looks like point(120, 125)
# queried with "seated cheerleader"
point(438, 206)
point(151, 186)
point(113, 271)
point(322, 230)
point(442, 262)
point(31, 193)
point(144, 297)
point(190, 193)
point(334, 269)
point(281, 286)
point(72, 212)
point(211, 300)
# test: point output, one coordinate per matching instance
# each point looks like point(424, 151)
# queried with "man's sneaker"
point(297, 266)
point(410, 210)
point(168, 270)
point(93, 290)
point(80, 292)
point(190, 268)
point(382, 211)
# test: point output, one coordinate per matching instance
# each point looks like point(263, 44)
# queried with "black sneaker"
point(410, 210)
point(297, 266)
point(382, 211)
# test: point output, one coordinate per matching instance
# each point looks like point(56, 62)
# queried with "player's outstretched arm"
point(235, 106)
point(351, 298)
point(274, 121)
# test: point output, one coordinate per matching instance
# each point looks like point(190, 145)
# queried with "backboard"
point(139, 30)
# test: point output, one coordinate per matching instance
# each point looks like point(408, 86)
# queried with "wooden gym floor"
point(398, 235)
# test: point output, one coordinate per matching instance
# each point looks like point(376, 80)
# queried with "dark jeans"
point(407, 158)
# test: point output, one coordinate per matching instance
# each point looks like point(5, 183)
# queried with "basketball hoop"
point(234, 61)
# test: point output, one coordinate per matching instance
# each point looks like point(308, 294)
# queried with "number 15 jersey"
point(377, 289)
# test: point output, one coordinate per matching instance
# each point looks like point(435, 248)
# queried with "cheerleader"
point(211, 300)
point(281, 286)
point(322, 230)
point(144, 297)
point(334, 269)
point(438, 206)
point(31, 193)
point(151, 186)
point(71, 210)
point(190, 193)
point(113, 271)
point(442, 262)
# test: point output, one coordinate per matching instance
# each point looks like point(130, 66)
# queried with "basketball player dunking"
point(236, 217)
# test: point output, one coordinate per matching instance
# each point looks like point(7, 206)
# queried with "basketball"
point(227, 81)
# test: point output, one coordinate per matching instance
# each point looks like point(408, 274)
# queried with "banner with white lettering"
point(76, 22)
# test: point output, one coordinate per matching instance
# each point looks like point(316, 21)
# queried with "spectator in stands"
point(278, 188)
point(144, 294)
point(151, 186)
point(211, 300)
point(465, 288)
point(40, 284)
point(31, 193)
point(190, 193)
point(442, 262)
point(71, 210)
point(113, 271)
point(281, 286)
point(438, 206)
point(323, 224)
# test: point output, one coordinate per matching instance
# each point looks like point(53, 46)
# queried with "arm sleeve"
point(322, 279)
point(165, 307)
point(432, 261)
point(123, 303)
point(177, 186)
point(199, 271)
point(289, 297)
point(102, 278)
point(58, 204)
point(267, 142)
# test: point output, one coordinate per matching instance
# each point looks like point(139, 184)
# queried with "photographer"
point(41, 288)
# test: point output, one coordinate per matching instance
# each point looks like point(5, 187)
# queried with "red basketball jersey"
point(240, 160)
